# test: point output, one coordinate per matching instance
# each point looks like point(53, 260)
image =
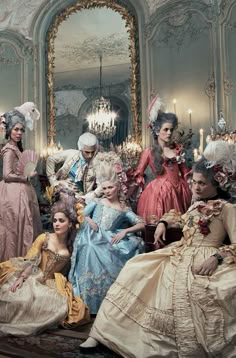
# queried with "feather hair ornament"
point(27, 162)
point(153, 109)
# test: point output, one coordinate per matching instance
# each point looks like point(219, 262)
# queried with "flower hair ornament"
point(122, 177)
point(221, 157)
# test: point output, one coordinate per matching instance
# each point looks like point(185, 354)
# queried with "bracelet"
point(163, 222)
point(24, 277)
point(219, 258)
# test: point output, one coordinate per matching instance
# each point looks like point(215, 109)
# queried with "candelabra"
point(129, 152)
point(52, 148)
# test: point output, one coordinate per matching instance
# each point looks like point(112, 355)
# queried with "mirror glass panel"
point(91, 53)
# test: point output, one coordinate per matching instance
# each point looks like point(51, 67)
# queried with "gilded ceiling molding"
point(126, 13)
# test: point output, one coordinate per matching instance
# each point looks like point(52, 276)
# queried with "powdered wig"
point(221, 153)
point(218, 165)
point(87, 139)
point(106, 166)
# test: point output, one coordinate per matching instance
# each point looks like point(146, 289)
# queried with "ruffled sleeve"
point(9, 157)
point(33, 256)
point(133, 218)
point(144, 162)
point(36, 247)
point(89, 208)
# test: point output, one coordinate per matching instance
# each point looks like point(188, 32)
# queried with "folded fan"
point(27, 162)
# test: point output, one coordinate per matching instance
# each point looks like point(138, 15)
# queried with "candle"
point(195, 154)
point(208, 139)
point(174, 103)
point(190, 118)
point(201, 141)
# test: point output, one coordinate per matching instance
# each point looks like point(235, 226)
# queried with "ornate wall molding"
point(228, 86)
point(210, 87)
point(179, 18)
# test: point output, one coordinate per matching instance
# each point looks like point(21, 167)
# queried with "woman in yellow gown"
point(34, 293)
point(179, 301)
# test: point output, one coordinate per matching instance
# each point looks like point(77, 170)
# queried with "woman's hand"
point(117, 237)
point(17, 284)
point(160, 236)
point(33, 174)
point(207, 268)
point(93, 225)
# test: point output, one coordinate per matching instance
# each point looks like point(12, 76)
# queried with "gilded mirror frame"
point(131, 26)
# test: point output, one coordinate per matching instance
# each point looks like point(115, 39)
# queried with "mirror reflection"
point(92, 61)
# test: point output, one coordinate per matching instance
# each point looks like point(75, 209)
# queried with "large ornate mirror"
point(92, 52)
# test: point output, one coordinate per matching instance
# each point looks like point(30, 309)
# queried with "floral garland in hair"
point(223, 175)
point(122, 178)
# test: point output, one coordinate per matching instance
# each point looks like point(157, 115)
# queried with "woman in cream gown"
point(178, 301)
point(34, 293)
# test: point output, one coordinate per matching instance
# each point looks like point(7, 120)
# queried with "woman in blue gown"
point(105, 240)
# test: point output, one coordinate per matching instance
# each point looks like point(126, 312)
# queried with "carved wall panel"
point(181, 61)
point(228, 29)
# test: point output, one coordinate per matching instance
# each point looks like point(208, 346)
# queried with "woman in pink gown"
point(169, 190)
point(20, 220)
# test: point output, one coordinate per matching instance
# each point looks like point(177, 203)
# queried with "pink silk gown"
point(168, 191)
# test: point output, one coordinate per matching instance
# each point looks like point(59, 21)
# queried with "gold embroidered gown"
point(45, 300)
point(158, 307)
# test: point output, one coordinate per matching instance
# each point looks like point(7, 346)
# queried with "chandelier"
point(102, 119)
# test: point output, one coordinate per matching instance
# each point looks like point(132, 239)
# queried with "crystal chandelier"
point(102, 119)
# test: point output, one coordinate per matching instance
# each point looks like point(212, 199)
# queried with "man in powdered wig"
point(77, 171)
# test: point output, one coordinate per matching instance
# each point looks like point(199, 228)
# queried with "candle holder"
point(129, 152)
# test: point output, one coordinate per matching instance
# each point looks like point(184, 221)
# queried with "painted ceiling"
point(88, 33)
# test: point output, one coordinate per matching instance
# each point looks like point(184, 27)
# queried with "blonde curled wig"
point(108, 167)
point(105, 164)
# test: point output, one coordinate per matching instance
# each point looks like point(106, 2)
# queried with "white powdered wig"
point(87, 139)
point(105, 164)
point(221, 153)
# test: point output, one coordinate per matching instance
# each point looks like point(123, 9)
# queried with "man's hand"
point(160, 236)
point(207, 268)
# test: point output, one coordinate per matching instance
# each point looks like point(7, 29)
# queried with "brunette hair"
point(11, 119)
point(65, 203)
point(157, 151)
point(209, 173)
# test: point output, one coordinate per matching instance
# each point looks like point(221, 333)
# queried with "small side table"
point(172, 235)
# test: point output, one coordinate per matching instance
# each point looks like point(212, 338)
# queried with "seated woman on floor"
point(34, 293)
point(180, 301)
point(106, 239)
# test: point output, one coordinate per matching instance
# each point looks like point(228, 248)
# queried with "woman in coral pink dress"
point(169, 190)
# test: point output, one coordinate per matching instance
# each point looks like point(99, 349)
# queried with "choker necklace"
point(212, 198)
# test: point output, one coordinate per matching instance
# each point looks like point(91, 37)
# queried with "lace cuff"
point(231, 251)
point(173, 218)
point(21, 263)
